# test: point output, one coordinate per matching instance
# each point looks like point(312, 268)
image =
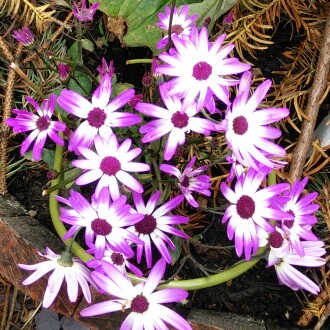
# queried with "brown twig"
point(11, 310)
point(4, 129)
point(5, 307)
point(316, 93)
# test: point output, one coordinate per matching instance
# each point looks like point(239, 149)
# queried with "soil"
point(256, 293)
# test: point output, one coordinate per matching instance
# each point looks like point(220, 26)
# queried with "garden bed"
point(254, 300)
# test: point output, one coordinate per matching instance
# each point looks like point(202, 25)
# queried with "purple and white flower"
point(250, 208)
point(174, 120)
point(40, 124)
point(101, 114)
point(117, 259)
point(190, 180)
point(155, 224)
point(283, 257)
point(200, 68)
point(181, 24)
point(83, 13)
point(110, 163)
point(147, 311)
point(246, 130)
point(64, 267)
point(104, 221)
point(302, 209)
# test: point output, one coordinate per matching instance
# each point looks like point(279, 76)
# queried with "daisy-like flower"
point(174, 120)
point(83, 13)
point(246, 129)
point(101, 114)
point(24, 36)
point(117, 259)
point(190, 180)
point(155, 224)
point(181, 24)
point(302, 210)
point(282, 256)
point(104, 221)
point(66, 267)
point(200, 68)
point(40, 124)
point(110, 163)
point(250, 208)
point(146, 311)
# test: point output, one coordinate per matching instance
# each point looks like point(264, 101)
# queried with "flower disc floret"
point(109, 164)
point(74, 272)
point(247, 129)
point(100, 114)
point(104, 221)
point(41, 125)
point(250, 210)
point(155, 225)
point(200, 67)
point(142, 301)
point(181, 24)
point(173, 120)
point(190, 180)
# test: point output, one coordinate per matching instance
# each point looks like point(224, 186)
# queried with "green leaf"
point(177, 252)
point(81, 84)
point(140, 17)
point(118, 88)
point(87, 44)
point(210, 8)
point(47, 156)
point(73, 52)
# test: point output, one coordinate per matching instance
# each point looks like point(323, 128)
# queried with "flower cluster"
point(122, 220)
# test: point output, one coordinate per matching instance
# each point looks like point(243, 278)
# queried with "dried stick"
point(5, 307)
point(4, 129)
point(316, 93)
point(11, 310)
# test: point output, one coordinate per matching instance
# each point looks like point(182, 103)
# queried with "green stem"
point(55, 212)
point(79, 42)
point(206, 282)
point(157, 173)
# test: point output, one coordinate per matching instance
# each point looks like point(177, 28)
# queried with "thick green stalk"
point(206, 282)
point(55, 213)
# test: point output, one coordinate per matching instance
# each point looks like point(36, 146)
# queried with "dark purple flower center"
point(245, 207)
point(275, 239)
point(180, 120)
point(147, 225)
point(117, 258)
point(101, 227)
point(96, 117)
point(289, 223)
point(240, 125)
point(42, 123)
point(185, 181)
point(202, 71)
point(139, 304)
point(110, 165)
point(177, 29)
